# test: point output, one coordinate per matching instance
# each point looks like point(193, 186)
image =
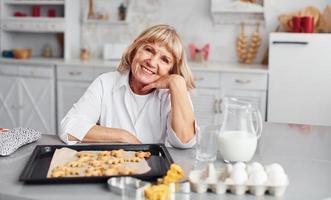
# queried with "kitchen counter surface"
point(304, 152)
point(195, 66)
point(58, 61)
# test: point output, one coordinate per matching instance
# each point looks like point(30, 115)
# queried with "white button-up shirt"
point(108, 102)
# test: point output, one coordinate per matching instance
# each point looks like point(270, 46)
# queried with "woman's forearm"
point(101, 134)
point(182, 113)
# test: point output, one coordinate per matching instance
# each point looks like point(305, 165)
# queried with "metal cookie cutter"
point(180, 187)
point(128, 187)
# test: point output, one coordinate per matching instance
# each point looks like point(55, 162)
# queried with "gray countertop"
point(195, 66)
point(305, 155)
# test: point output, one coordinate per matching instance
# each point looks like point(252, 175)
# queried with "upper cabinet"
point(237, 11)
point(299, 78)
point(41, 25)
point(33, 16)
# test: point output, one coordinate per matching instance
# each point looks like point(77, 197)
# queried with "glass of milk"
point(241, 128)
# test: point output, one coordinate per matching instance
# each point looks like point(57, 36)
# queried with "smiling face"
point(150, 62)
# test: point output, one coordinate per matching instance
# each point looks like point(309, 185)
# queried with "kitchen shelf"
point(236, 12)
point(36, 19)
point(33, 24)
point(105, 22)
point(108, 15)
point(35, 2)
point(60, 32)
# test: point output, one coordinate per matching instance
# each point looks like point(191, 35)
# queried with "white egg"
point(228, 181)
point(239, 165)
point(275, 167)
point(239, 176)
point(228, 168)
point(258, 177)
point(210, 175)
point(255, 166)
point(277, 178)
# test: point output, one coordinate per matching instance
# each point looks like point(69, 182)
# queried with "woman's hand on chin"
point(165, 82)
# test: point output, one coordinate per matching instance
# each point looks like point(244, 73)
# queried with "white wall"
point(192, 19)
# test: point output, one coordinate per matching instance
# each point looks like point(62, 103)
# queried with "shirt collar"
point(123, 81)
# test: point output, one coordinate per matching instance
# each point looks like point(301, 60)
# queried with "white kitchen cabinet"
point(207, 105)
point(299, 82)
point(28, 97)
point(251, 87)
point(206, 97)
point(9, 96)
point(69, 93)
point(72, 82)
point(256, 98)
point(61, 32)
point(214, 85)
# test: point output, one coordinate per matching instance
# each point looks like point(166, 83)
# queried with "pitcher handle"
point(258, 117)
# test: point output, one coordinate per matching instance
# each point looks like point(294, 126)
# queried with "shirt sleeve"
point(171, 135)
point(84, 114)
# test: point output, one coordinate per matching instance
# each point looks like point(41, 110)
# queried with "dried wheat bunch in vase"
point(242, 43)
point(253, 46)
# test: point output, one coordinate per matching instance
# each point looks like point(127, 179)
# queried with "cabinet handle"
point(199, 79)
point(75, 73)
point(220, 106)
point(243, 81)
point(290, 42)
point(217, 106)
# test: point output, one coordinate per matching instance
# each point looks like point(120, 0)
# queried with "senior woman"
point(145, 101)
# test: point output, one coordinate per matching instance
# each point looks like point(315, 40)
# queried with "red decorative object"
point(51, 13)
point(295, 24)
point(35, 11)
point(196, 52)
point(20, 14)
point(303, 24)
point(307, 24)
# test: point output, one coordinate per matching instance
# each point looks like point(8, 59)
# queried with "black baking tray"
point(35, 171)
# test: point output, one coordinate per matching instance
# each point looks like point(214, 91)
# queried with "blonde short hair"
point(164, 35)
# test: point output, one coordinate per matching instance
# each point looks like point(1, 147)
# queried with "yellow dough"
point(101, 163)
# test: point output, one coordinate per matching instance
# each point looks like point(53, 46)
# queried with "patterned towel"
point(13, 139)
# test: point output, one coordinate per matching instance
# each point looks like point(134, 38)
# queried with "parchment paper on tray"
point(64, 158)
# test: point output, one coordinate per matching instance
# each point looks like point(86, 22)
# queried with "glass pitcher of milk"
point(240, 130)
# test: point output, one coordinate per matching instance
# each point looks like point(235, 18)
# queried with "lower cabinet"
point(207, 105)
point(256, 98)
point(9, 97)
point(27, 97)
point(68, 93)
point(72, 82)
point(31, 96)
point(214, 86)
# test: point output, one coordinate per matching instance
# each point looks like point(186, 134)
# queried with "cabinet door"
point(299, 79)
point(206, 105)
point(9, 104)
point(69, 93)
point(257, 98)
point(38, 104)
point(299, 51)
